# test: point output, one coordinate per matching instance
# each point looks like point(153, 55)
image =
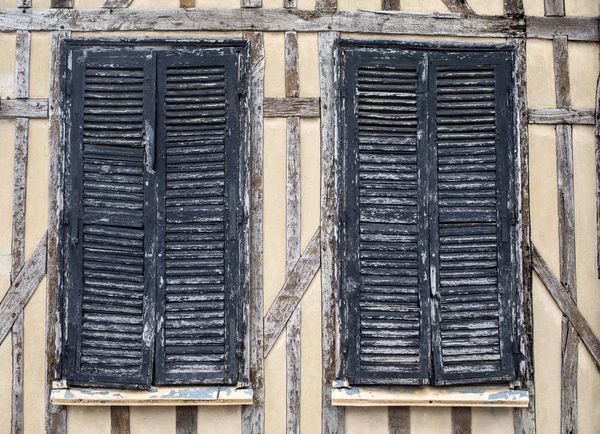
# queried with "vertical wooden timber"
point(333, 417)
point(58, 4)
point(116, 3)
point(186, 420)
point(251, 3)
point(24, 3)
point(597, 129)
point(187, 3)
point(326, 5)
point(292, 90)
point(253, 416)
point(390, 5)
point(56, 416)
point(23, 52)
point(554, 8)
point(514, 8)
point(399, 420)
point(461, 420)
point(524, 418)
point(290, 4)
point(566, 236)
point(119, 420)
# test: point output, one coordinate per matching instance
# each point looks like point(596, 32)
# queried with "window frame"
point(517, 190)
point(164, 45)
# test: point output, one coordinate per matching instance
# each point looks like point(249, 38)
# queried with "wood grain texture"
point(23, 54)
point(251, 3)
point(24, 3)
point(293, 345)
point(333, 421)
point(55, 416)
point(24, 108)
point(292, 107)
point(290, 4)
point(514, 8)
point(186, 420)
point(253, 416)
point(574, 28)
point(22, 288)
point(554, 8)
point(524, 418)
point(461, 420)
point(458, 6)
point(390, 5)
point(117, 3)
point(326, 5)
point(561, 72)
point(568, 307)
point(57, 4)
point(267, 19)
point(290, 294)
point(399, 420)
point(597, 156)
point(561, 116)
point(119, 420)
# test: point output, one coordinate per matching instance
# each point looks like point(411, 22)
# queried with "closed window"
point(154, 199)
point(429, 255)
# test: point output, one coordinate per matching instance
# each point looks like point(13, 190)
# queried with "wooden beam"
point(24, 3)
point(514, 8)
point(119, 420)
point(458, 6)
point(58, 4)
point(326, 5)
point(116, 3)
point(24, 108)
point(333, 418)
point(562, 116)
point(390, 5)
point(251, 3)
point(55, 416)
point(290, 4)
point(574, 28)
point(187, 3)
point(259, 19)
point(292, 291)
point(567, 306)
point(461, 420)
point(293, 249)
point(292, 107)
point(253, 417)
point(561, 72)
point(554, 8)
point(186, 420)
point(22, 288)
point(597, 155)
point(399, 420)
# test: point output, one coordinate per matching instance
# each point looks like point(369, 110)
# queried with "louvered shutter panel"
point(384, 258)
point(199, 194)
point(109, 220)
point(471, 234)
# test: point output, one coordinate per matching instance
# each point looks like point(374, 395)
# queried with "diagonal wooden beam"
point(292, 291)
point(22, 288)
point(567, 306)
point(117, 3)
point(458, 6)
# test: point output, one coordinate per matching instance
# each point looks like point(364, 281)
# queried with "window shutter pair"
point(152, 199)
point(427, 186)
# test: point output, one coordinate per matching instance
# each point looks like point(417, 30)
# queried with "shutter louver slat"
point(106, 256)
point(196, 116)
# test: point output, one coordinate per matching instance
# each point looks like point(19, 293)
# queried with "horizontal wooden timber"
point(276, 20)
point(562, 116)
point(574, 28)
point(425, 396)
point(24, 108)
point(292, 107)
point(156, 396)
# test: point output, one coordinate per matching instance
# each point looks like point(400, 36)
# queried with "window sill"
point(155, 396)
point(425, 396)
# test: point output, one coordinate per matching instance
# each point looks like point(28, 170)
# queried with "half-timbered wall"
point(291, 171)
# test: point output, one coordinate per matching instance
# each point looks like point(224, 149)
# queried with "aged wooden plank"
point(253, 417)
point(554, 8)
point(186, 420)
point(524, 418)
point(458, 6)
point(562, 116)
point(24, 108)
point(290, 4)
point(267, 19)
point(55, 416)
point(292, 90)
point(514, 8)
point(567, 305)
point(390, 5)
point(292, 107)
point(23, 52)
point(24, 3)
point(399, 420)
point(119, 420)
point(22, 288)
point(291, 292)
point(574, 28)
point(251, 3)
point(326, 5)
point(561, 72)
point(597, 152)
point(187, 3)
point(333, 419)
point(57, 4)
point(461, 420)
point(117, 3)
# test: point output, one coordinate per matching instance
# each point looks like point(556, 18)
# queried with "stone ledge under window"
point(469, 396)
point(155, 396)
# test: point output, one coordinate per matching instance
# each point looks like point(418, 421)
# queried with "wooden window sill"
point(156, 396)
point(425, 396)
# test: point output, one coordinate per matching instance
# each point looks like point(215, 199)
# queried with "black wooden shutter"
point(199, 193)
point(384, 220)
point(109, 220)
point(472, 136)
